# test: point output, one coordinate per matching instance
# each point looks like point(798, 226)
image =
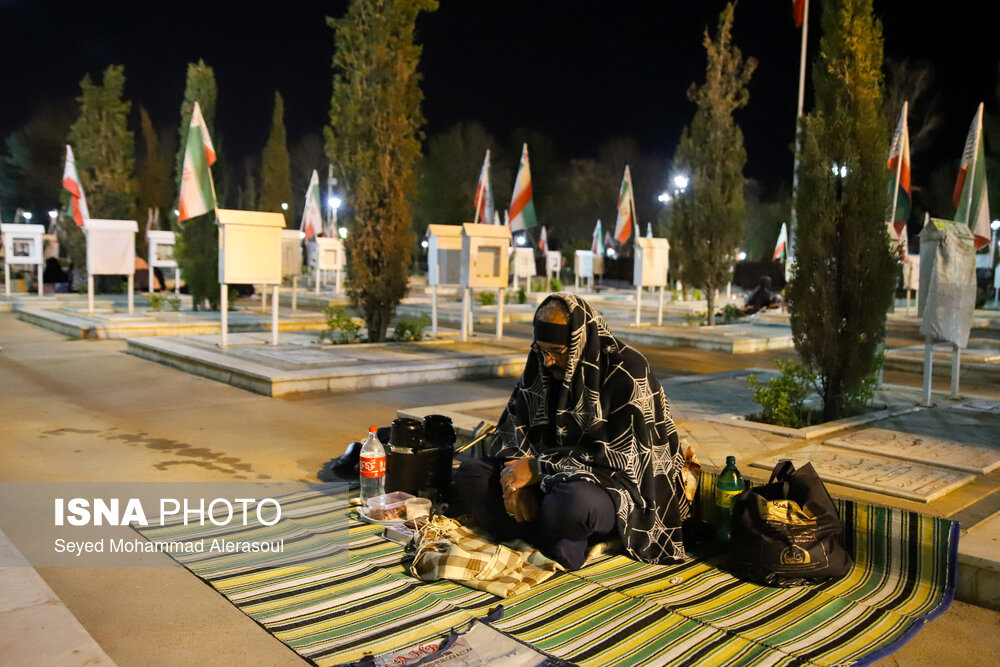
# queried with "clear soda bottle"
point(729, 486)
point(372, 466)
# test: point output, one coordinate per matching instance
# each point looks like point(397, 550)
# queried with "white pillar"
point(295, 292)
point(500, 295)
point(263, 298)
point(152, 287)
point(90, 293)
point(956, 357)
point(434, 311)
point(340, 281)
point(928, 370)
point(6, 278)
point(131, 293)
point(316, 279)
point(465, 320)
point(659, 314)
point(274, 316)
point(224, 314)
point(638, 303)
point(41, 285)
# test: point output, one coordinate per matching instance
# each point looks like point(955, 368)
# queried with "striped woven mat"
point(333, 609)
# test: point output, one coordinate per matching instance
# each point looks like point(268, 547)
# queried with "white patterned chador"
point(611, 426)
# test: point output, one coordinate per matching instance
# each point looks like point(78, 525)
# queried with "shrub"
point(156, 302)
point(409, 330)
point(557, 285)
point(695, 319)
point(783, 398)
point(174, 302)
point(730, 313)
point(340, 327)
point(522, 296)
point(696, 295)
point(486, 298)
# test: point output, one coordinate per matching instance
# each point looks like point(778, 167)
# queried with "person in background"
point(761, 298)
point(585, 449)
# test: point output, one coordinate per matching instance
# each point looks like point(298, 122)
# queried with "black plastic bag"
point(787, 532)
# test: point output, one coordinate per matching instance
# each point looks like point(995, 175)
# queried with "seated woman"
point(585, 449)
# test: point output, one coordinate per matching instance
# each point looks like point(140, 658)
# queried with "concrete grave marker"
point(161, 254)
point(110, 252)
point(22, 245)
point(652, 262)
point(484, 264)
point(943, 453)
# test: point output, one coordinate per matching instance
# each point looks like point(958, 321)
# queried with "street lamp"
point(681, 181)
point(664, 197)
point(53, 214)
point(742, 255)
point(284, 206)
point(343, 232)
point(334, 202)
point(839, 170)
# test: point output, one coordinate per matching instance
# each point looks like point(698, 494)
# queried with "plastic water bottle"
point(729, 486)
point(372, 467)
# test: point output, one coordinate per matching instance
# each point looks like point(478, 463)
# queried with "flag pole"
point(971, 177)
point(793, 222)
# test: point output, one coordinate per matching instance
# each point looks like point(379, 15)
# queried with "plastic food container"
point(417, 508)
point(388, 507)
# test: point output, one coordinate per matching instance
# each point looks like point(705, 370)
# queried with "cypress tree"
point(708, 220)
point(197, 248)
point(275, 172)
point(373, 142)
point(104, 147)
point(843, 281)
point(154, 178)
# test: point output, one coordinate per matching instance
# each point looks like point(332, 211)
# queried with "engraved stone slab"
point(975, 405)
point(940, 452)
point(894, 477)
point(300, 357)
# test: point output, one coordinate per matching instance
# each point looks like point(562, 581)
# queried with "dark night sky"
point(581, 71)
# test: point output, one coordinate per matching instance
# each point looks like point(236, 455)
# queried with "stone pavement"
point(85, 410)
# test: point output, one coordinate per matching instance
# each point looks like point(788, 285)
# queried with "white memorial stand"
point(22, 246)
point(652, 261)
point(161, 254)
point(249, 253)
point(444, 263)
point(110, 252)
point(911, 278)
point(484, 264)
point(583, 269)
point(524, 266)
point(553, 265)
point(291, 260)
point(329, 256)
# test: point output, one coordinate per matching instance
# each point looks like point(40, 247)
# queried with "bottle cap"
point(730, 460)
point(372, 429)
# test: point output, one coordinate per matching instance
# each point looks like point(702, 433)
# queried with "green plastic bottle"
point(729, 486)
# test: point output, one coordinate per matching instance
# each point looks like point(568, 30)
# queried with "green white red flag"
point(71, 181)
point(484, 194)
point(597, 242)
point(899, 167)
point(970, 197)
point(798, 11)
point(197, 195)
point(649, 230)
point(626, 209)
point(522, 207)
point(543, 241)
point(312, 214)
point(780, 249)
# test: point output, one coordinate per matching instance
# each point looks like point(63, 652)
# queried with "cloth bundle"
point(448, 550)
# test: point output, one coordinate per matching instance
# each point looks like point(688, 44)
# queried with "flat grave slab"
point(299, 365)
point(890, 476)
point(936, 451)
point(978, 405)
point(979, 357)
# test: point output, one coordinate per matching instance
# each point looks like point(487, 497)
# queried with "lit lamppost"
point(994, 226)
point(334, 202)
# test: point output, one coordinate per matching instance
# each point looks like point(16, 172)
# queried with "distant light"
point(995, 225)
point(839, 170)
point(343, 232)
point(302, 234)
point(27, 215)
point(53, 214)
point(664, 198)
point(742, 255)
point(610, 252)
point(681, 181)
point(284, 206)
point(836, 169)
point(424, 244)
point(843, 171)
point(521, 241)
point(176, 213)
point(334, 202)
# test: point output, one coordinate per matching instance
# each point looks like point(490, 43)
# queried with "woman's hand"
point(518, 474)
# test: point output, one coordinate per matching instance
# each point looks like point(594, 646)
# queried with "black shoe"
point(349, 462)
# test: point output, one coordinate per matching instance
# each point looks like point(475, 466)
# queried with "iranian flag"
point(312, 214)
point(899, 167)
point(522, 208)
point(798, 11)
point(970, 198)
point(543, 241)
point(197, 190)
point(71, 181)
point(626, 209)
point(780, 251)
point(484, 194)
point(649, 230)
point(597, 243)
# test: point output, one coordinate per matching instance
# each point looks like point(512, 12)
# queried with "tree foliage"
point(155, 187)
point(197, 248)
point(373, 142)
point(844, 278)
point(708, 221)
point(31, 168)
point(104, 147)
point(275, 173)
